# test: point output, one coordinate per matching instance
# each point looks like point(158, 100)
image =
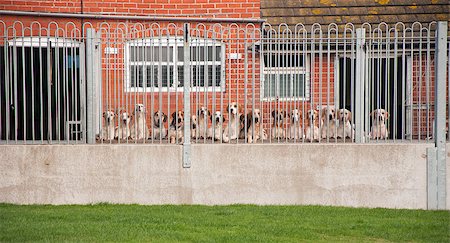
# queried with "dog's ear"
point(242, 118)
point(285, 114)
point(198, 112)
point(209, 113)
point(372, 114)
point(210, 117)
point(174, 116)
point(223, 119)
point(273, 114)
point(349, 118)
point(228, 109)
point(164, 117)
point(386, 114)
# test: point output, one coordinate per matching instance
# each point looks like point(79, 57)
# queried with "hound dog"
point(345, 129)
point(216, 131)
point(295, 127)
point(123, 129)
point(312, 129)
point(158, 128)
point(108, 128)
point(255, 130)
point(379, 128)
point(203, 117)
point(194, 126)
point(139, 129)
point(176, 128)
point(328, 122)
point(234, 126)
point(278, 130)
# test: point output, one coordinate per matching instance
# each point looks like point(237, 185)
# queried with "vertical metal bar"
point(90, 86)
point(439, 111)
point(359, 84)
point(49, 91)
point(7, 84)
point(187, 99)
point(82, 91)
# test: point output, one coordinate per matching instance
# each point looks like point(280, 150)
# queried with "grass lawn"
point(242, 223)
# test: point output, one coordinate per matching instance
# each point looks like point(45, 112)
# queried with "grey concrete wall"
point(374, 175)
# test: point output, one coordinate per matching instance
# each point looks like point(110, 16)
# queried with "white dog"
point(345, 129)
point(254, 120)
point(328, 122)
point(139, 129)
point(194, 126)
point(176, 128)
point(312, 130)
point(123, 130)
point(278, 130)
point(379, 128)
point(158, 128)
point(295, 128)
point(216, 131)
point(108, 127)
point(203, 117)
point(234, 126)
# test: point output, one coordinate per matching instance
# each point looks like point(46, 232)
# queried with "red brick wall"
point(199, 8)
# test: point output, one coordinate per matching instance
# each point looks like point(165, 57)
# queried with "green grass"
point(236, 223)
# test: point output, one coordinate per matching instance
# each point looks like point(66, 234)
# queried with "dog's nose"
point(330, 116)
point(179, 119)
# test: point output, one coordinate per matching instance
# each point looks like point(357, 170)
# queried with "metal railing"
point(216, 83)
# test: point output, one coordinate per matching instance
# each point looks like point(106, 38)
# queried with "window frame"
point(305, 70)
point(174, 43)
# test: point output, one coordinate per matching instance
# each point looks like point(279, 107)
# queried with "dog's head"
point(278, 117)
point(193, 122)
point(328, 113)
point(109, 117)
point(344, 115)
point(233, 108)
point(178, 118)
point(217, 118)
point(255, 114)
point(139, 109)
point(159, 118)
point(296, 115)
point(312, 116)
point(380, 116)
point(203, 113)
point(125, 118)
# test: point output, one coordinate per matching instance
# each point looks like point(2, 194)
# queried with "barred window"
point(286, 76)
point(158, 65)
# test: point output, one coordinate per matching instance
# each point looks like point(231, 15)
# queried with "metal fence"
point(179, 83)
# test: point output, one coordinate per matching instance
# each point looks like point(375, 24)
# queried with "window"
point(157, 64)
point(285, 76)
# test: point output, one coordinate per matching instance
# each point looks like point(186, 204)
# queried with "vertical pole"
point(90, 86)
point(359, 84)
point(440, 111)
point(187, 99)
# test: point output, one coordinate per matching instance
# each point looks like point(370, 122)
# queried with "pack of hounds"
point(318, 124)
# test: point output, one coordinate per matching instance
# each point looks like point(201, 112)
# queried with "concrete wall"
point(373, 175)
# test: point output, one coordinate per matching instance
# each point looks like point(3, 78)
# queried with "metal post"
point(187, 99)
point(440, 111)
point(90, 86)
point(359, 84)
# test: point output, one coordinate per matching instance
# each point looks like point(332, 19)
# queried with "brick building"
point(232, 59)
